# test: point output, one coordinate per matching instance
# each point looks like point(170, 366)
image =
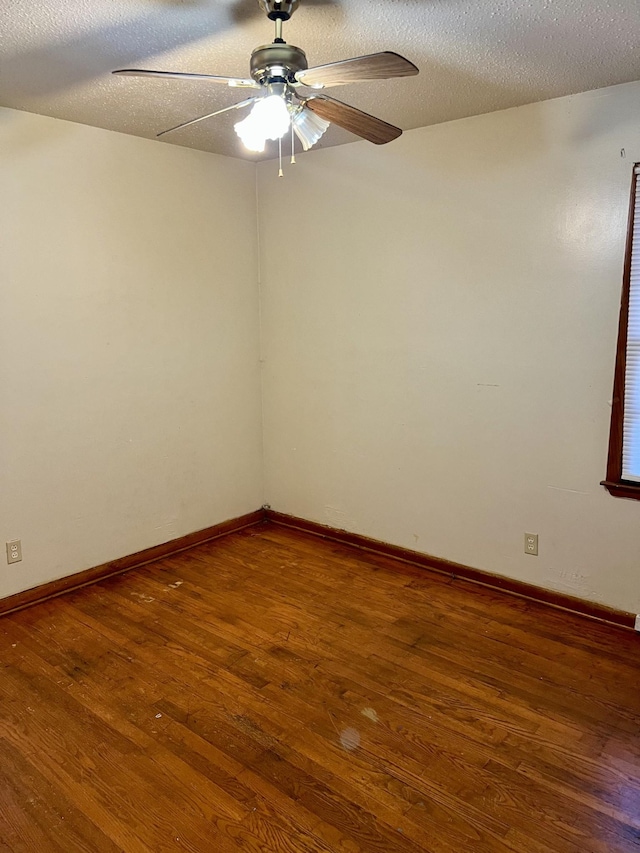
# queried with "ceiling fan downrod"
point(279, 11)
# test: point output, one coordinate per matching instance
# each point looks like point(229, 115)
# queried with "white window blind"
point(631, 428)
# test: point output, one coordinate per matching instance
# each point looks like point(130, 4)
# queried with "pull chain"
point(293, 143)
point(280, 173)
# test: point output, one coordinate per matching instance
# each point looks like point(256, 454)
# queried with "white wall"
point(129, 378)
point(439, 342)
point(439, 337)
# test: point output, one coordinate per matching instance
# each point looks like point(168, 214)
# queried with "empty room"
point(320, 426)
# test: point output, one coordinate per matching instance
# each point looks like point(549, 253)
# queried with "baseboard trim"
point(436, 564)
point(45, 591)
point(561, 601)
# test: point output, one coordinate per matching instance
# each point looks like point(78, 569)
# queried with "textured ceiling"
point(475, 56)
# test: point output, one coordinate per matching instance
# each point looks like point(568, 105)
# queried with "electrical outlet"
point(637, 624)
point(14, 551)
point(531, 544)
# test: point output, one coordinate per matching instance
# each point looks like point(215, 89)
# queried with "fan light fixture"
point(280, 72)
point(308, 127)
point(269, 119)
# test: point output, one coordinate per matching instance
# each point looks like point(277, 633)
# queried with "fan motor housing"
point(277, 61)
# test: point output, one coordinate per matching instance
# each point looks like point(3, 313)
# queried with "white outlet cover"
point(14, 551)
point(637, 623)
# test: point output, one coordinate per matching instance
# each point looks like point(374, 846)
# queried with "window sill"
point(622, 490)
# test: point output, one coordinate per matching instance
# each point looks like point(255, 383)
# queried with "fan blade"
point(362, 124)
point(376, 66)
point(208, 115)
point(233, 82)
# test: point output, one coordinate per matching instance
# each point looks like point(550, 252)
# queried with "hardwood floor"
point(272, 691)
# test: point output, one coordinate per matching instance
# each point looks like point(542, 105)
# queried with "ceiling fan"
point(280, 74)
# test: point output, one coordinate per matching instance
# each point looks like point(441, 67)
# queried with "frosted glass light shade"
point(269, 119)
point(308, 127)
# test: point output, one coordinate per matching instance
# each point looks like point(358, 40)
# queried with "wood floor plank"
point(42, 806)
point(274, 692)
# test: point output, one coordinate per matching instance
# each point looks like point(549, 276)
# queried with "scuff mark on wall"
point(337, 517)
point(572, 582)
point(572, 491)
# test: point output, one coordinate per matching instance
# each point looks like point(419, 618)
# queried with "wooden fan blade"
point(208, 115)
point(376, 66)
point(362, 124)
point(234, 82)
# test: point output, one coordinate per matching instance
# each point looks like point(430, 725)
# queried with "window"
point(623, 468)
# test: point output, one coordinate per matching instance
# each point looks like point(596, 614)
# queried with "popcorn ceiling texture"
point(474, 57)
